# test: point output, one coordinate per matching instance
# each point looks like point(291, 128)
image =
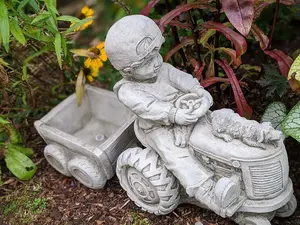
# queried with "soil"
point(68, 202)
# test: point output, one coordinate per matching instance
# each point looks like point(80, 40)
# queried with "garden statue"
point(236, 167)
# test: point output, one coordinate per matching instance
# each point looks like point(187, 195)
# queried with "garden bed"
point(51, 198)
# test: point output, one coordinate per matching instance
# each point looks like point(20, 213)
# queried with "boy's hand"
point(184, 117)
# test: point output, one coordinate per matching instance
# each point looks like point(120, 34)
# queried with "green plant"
point(273, 81)
point(35, 205)
point(16, 156)
point(277, 114)
point(137, 220)
point(35, 42)
point(33, 20)
point(10, 208)
point(281, 119)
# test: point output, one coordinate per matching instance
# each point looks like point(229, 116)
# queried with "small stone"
point(198, 223)
point(55, 214)
point(48, 220)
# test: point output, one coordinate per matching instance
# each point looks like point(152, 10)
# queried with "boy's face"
point(150, 67)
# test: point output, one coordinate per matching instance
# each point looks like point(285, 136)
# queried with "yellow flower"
point(85, 12)
point(100, 57)
point(88, 12)
point(90, 78)
point(91, 73)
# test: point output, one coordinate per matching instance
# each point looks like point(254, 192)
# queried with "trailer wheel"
point(147, 181)
point(87, 172)
point(288, 209)
point(56, 157)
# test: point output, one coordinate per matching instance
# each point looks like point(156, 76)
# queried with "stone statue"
point(185, 157)
point(228, 125)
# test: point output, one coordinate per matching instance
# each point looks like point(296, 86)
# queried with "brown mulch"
point(69, 203)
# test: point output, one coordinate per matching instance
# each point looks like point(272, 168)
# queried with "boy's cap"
point(124, 36)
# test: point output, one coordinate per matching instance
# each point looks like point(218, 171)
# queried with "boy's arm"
point(146, 106)
point(186, 83)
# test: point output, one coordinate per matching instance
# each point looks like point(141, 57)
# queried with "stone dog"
point(229, 125)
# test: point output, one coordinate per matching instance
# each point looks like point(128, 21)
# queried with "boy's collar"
point(151, 80)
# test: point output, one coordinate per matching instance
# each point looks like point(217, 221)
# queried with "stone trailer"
point(85, 142)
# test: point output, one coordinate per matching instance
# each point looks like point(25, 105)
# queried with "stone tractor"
point(262, 185)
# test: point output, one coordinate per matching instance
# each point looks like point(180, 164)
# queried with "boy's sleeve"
point(146, 106)
point(182, 80)
point(186, 82)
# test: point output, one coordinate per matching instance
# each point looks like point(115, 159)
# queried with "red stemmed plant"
point(202, 50)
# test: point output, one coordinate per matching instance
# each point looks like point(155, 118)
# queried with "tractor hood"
point(203, 141)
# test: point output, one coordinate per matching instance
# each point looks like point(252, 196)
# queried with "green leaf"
point(273, 81)
point(64, 46)
point(37, 35)
point(68, 18)
point(17, 31)
point(52, 26)
point(50, 3)
point(3, 136)
point(77, 25)
point(295, 69)
point(19, 148)
point(15, 136)
point(204, 38)
point(52, 9)
point(3, 121)
point(22, 4)
point(34, 32)
point(80, 83)
point(291, 124)
point(275, 113)
point(24, 96)
point(57, 45)
point(34, 5)
point(41, 17)
point(20, 165)
point(3, 63)
point(4, 25)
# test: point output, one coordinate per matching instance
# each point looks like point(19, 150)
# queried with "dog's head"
point(273, 135)
point(269, 134)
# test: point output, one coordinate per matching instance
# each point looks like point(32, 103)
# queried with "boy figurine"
point(149, 89)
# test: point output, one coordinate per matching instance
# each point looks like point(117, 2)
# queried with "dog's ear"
point(266, 125)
